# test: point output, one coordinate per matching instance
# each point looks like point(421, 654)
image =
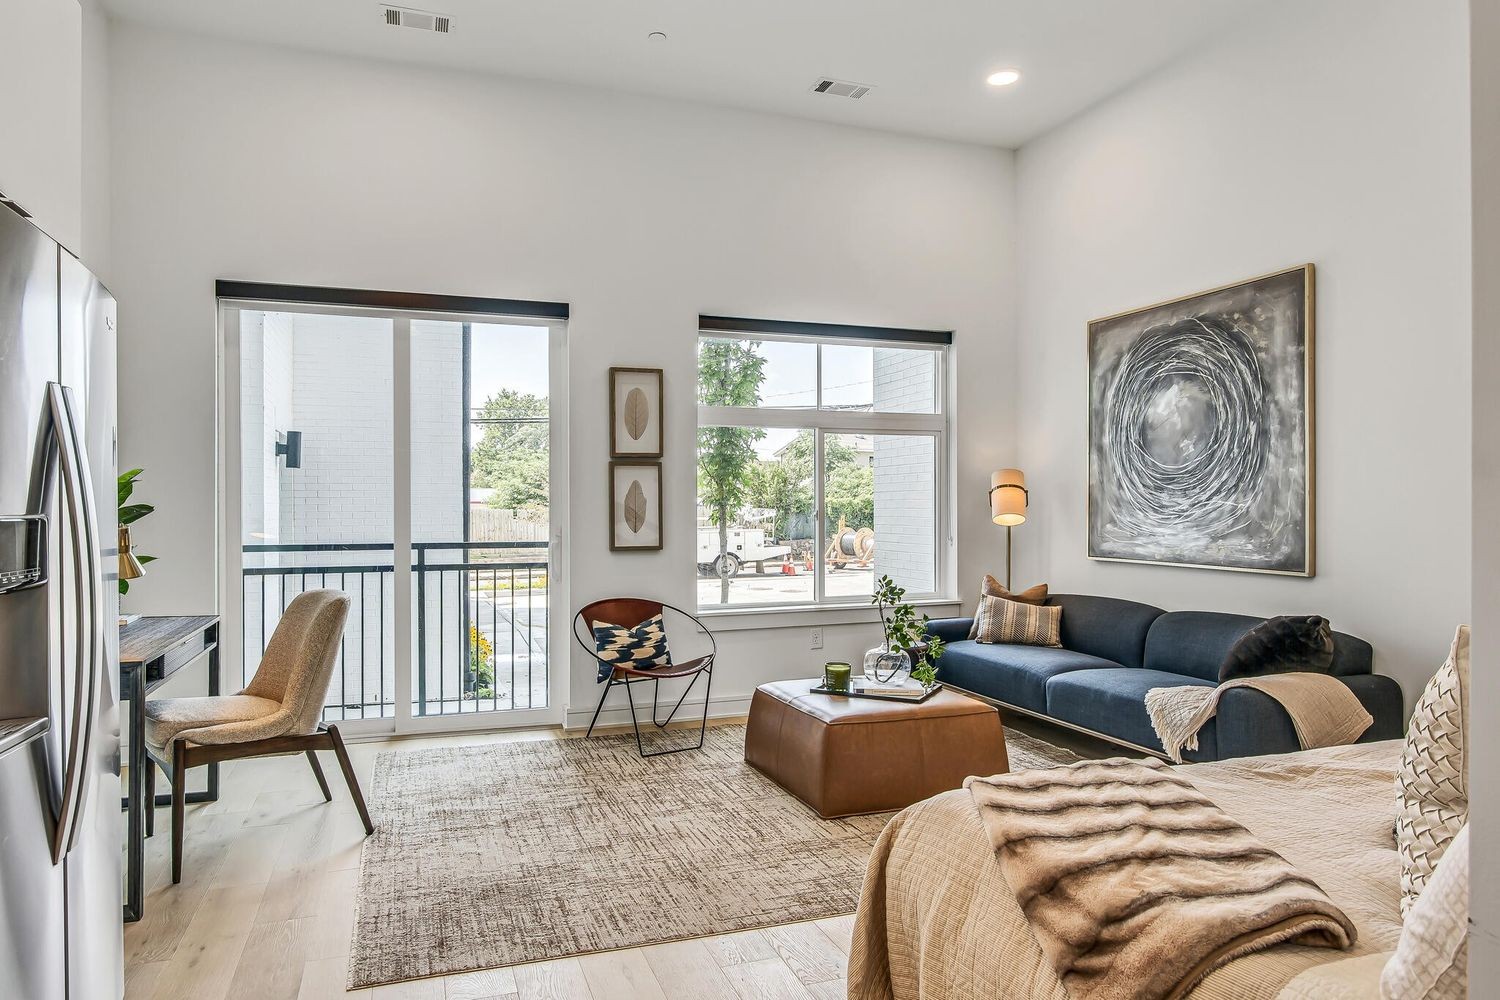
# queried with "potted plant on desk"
point(129, 513)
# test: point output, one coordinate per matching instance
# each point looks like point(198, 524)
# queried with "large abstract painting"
point(1200, 429)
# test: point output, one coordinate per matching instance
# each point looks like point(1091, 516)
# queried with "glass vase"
point(886, 667)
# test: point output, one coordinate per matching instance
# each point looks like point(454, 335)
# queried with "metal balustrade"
point(479, 622)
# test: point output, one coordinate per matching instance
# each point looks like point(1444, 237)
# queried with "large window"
point(821, 455)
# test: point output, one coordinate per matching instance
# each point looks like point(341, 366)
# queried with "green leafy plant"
point(905, 632)
point(481, 679)
point(129, 513)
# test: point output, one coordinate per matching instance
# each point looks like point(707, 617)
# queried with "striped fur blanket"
point(1136, 886)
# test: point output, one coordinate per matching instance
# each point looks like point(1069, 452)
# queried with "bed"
point(936, 920)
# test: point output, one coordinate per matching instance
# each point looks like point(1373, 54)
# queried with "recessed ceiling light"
point(1004, 78)
point(657, 36)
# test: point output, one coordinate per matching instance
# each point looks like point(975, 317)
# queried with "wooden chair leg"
point(349, 778)
point(179, 804)
point(150, 796)
point(312, 758)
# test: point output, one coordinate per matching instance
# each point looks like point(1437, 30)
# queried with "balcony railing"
point(479, 622)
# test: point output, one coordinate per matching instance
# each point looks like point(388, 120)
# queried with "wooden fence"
point(495, 524)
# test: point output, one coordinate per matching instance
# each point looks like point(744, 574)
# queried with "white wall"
point(1484, 702)
point(93, 223)
point(237, 161)
point(41, 84)
point(1335, 133)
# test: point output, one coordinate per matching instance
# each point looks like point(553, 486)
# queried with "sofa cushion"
point(1106, 627)
point(1195, 643)
point(1113, 702)
point(1016, 675)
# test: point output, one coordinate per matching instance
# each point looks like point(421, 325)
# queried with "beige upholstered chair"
point(278, 712)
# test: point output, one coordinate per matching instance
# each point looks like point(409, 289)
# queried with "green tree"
point(511, 456)
point(519, 479)
point(730, 373)
point(785, 485)
point(850, 494)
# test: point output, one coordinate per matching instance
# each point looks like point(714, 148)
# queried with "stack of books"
point(913, 692)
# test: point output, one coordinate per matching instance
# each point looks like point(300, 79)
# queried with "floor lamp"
point(1008, 500)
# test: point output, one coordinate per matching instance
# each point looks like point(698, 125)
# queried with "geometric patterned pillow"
point(1432, 787)
point(1432, 957)
point(642, 647)
point(994, 588)
point(1001, 620)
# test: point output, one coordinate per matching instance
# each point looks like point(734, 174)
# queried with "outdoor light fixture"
point(1008, 501)
point(290, 445)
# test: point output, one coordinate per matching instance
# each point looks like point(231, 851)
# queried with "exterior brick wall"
point(906, 473)
point(330, 378)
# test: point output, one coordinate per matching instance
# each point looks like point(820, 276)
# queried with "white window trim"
point(828, 421)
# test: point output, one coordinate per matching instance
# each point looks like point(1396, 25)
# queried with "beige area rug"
point(504, 853)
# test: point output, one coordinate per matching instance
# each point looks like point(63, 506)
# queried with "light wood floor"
point(265, 911)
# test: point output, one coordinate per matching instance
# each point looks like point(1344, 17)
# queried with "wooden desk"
point(153, 650)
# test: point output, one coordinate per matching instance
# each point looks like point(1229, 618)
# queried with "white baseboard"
point(691, 711)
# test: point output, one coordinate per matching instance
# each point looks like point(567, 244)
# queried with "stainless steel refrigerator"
point(60, 845)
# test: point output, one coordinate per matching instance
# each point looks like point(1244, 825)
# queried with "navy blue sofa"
point(1114, 651)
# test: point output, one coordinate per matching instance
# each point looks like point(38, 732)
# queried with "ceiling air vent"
point(841, 88)
point(405, 17)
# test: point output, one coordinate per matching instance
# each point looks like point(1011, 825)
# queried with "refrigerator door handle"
point(88, 629)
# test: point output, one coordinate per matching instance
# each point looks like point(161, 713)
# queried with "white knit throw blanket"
point(1324, 712)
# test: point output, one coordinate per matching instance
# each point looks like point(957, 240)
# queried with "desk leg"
point(213, 689)
point(135, 855)
point(211, 793)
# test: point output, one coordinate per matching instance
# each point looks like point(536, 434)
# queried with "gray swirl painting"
point(1200, 443)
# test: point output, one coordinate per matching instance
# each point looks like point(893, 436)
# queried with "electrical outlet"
point(816, 640)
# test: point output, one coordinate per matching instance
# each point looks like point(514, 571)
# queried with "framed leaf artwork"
point(635, 404)
point(634, 506)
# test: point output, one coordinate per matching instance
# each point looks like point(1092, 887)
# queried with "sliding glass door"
point(408, 460)
point(480, 516)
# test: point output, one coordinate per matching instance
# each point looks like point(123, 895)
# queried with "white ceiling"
point(926, 59)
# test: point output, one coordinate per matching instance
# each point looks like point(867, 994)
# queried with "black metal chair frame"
point(628, 677)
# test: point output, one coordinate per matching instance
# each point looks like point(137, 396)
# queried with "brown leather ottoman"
point(846, 756)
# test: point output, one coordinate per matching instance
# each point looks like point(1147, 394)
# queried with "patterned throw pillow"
point(1002, 620)
point(642, 647)
point(1432, 787)
point(994, 588)
point(1432, 958)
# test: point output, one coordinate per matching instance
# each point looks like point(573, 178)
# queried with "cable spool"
point(847, 543)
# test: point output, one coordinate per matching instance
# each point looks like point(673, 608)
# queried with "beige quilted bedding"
point(937, 921)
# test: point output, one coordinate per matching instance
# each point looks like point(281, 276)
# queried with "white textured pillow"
point(1432, 958)
point(1432, 787)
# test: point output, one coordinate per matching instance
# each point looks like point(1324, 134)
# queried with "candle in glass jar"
point(836, 676)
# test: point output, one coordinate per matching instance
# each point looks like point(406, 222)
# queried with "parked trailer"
point(746, 545)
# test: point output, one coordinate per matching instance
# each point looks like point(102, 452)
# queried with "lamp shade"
point(1008, 497)
point(130, 566)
